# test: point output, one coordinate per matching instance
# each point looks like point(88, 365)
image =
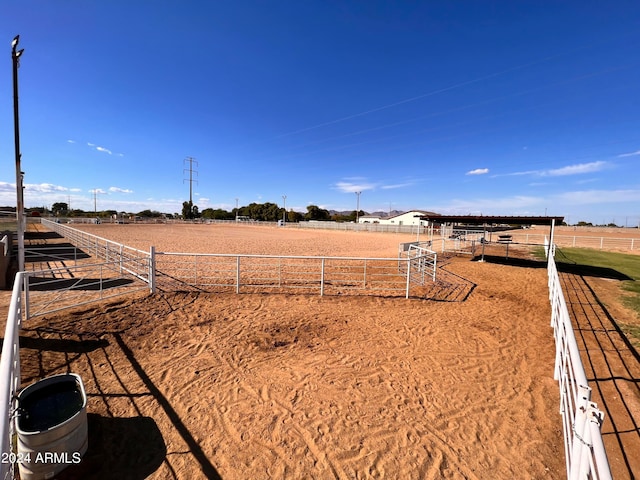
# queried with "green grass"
point(625, 264)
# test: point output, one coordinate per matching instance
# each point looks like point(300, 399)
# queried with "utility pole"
point(96, 191)
point(15, 57)
point(284, 206)
point(191, 161)
point(358, 207)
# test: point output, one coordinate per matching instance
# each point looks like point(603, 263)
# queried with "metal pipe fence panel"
point(134, 261)
point(324, 275)
point(57, 289)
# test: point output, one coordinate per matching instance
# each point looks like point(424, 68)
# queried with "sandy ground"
point(290, 386)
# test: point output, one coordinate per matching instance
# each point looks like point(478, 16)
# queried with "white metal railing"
point(56, 289)
point(421, 260)
point(304, 274)
point(585, 455)
point(10, 376)
point(133, 261)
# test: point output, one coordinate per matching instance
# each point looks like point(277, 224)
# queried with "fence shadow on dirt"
point(131, 448)
point(613, 367)
point(512, 261)
point(44, 284)
point(57, 252)
point(121, 445)
point(41, 235)
point(591, 271)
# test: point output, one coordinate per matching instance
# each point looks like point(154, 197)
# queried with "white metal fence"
point(10, 377)
point(439, 234)
point(585, 455)
point(302, 274)
point(131, 260)
point(52, 290)
point(421, 261)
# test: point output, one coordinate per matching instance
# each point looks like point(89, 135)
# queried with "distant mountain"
point(391, 213)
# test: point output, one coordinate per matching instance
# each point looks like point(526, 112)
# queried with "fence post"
point(408, 276)
point(238, 274)
point(364, 280)
point(435, 265)
point(25, 287)
point(152, 269)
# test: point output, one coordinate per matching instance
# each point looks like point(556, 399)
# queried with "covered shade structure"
point(490, 220)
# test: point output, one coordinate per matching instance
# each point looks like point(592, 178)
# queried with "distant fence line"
point(434, 234)
point(422, 232)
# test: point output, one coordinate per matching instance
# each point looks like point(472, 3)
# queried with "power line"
point(444, 89)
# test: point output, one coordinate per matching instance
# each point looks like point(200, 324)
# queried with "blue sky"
point(459, 107)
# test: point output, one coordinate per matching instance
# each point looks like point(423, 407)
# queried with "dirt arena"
point(265, 386)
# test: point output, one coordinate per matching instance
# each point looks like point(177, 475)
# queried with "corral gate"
point(422, 261)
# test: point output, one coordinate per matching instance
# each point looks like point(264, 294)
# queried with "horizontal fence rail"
point(585, 455)
point(52, 290)
point(133, 261)
point(303, 274)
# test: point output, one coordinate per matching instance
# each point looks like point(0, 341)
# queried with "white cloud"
point(478, 171)
point(589, 197)
point(7, 187)
point(105, 150)
point(630, 154)
point(354, 185)
point(578, 169)
point(99, 148)
point(43, 188)
point(397, 185)
point(71, 141)
point(119, 190)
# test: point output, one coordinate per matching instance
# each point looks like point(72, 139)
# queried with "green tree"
point(60, 208)
point(293, 216)
point(316, 213)
point(148, 214)
point(189, 211)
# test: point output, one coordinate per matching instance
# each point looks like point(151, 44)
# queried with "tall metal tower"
point(191, 161)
